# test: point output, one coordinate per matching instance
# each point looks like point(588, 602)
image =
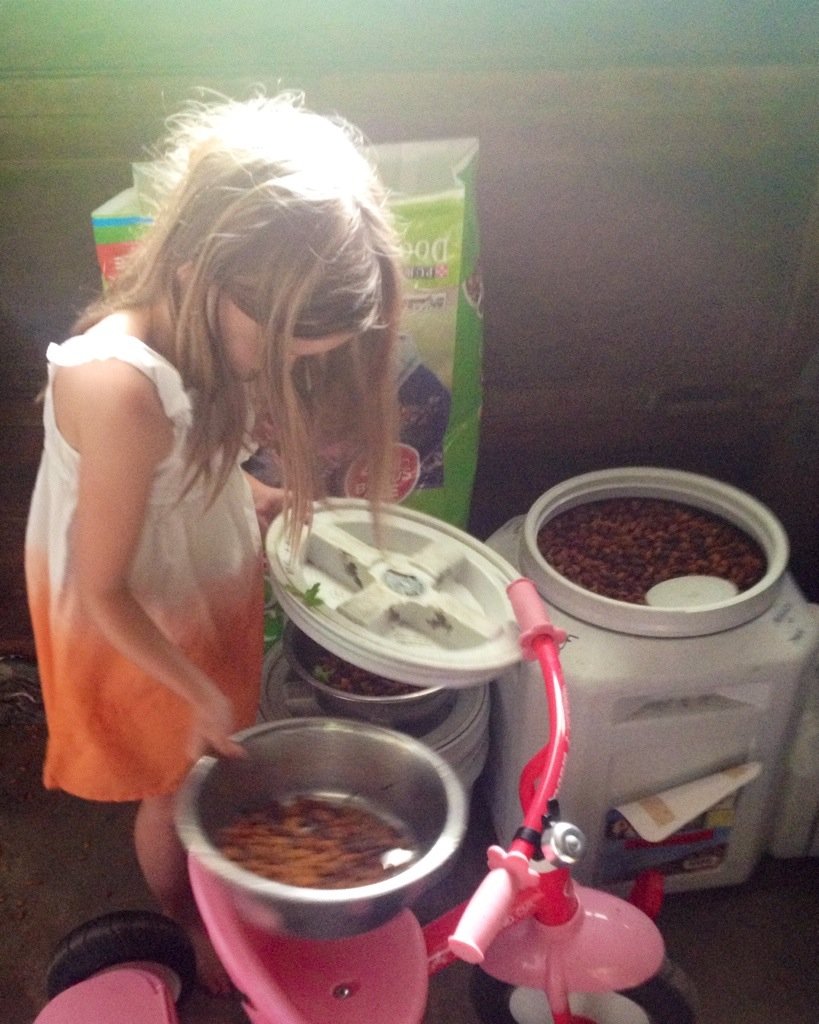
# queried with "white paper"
point(660, 815)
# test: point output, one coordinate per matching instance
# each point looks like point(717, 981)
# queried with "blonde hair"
point(279, 209)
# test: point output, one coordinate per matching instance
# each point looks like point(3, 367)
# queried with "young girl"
point(268, 287)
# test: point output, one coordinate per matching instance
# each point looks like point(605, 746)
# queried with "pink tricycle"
point(549, 951)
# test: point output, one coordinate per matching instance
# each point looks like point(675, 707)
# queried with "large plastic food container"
point(708, 680)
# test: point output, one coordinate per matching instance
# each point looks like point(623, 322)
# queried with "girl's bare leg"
point(162, 859)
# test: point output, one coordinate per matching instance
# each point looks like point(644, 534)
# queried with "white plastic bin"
point(659, 696)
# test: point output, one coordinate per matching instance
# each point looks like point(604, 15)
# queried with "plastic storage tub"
point(660, 696)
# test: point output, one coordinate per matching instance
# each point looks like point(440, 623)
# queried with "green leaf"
point(310, 596)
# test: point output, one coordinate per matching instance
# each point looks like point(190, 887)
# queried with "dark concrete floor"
point(751, 950)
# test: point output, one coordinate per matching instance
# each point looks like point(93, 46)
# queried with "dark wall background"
point(647, 196)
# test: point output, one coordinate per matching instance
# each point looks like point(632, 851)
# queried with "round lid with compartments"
point(422, 602)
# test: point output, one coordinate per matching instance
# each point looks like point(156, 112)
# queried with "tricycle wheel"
point(667, 998)
point(124, 936)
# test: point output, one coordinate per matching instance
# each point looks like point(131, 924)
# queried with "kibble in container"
point(654, 552)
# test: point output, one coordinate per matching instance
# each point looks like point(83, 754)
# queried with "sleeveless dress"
point(115, 733)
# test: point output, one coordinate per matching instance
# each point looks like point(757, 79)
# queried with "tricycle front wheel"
point(666, 998)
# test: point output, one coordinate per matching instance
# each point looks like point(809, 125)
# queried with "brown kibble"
point(622, 547)
point(341, 675)
point(313, 842)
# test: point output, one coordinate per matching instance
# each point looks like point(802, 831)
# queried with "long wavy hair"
point(279, 209)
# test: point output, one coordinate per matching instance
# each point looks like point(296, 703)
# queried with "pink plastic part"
point(541, 640)
point(515, 863)
point(607, 946)
point(438, 932)
point(436, 936)
point(544, 771)
point(119, 995)
point(240, 949)
point(379, 976)
point(532, 617)
point(489, 909)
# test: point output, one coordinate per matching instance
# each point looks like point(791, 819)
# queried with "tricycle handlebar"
point(489, 909)
point(532, 617)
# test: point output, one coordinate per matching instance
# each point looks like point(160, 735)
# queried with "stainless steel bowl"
point(302, 652)
point(396, 775)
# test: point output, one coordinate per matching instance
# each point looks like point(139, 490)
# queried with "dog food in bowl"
point(345, 690)
point(622, 547)
point(341, 675)
point(317, 843)
point(393, 775)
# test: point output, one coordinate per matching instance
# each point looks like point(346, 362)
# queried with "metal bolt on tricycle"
point(546, 950)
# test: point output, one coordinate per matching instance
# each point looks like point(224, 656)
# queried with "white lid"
point(429, 608)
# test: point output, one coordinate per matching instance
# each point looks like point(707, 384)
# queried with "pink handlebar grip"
point(484, 916)
point(532, 617)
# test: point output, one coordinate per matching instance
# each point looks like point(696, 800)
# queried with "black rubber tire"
point(118, 938)
point(667, 998)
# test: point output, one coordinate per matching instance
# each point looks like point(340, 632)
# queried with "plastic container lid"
point(685, 606)
point(428, 607)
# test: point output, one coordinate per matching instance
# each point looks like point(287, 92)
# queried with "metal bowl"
point(302, 652)
point(395, 775)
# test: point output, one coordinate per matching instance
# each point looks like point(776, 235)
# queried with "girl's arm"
point(110, 412)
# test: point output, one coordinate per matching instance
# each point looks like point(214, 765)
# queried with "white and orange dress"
point(115, 733)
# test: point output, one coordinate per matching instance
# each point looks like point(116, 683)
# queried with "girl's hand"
point(267, 501)
point(212, 727)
